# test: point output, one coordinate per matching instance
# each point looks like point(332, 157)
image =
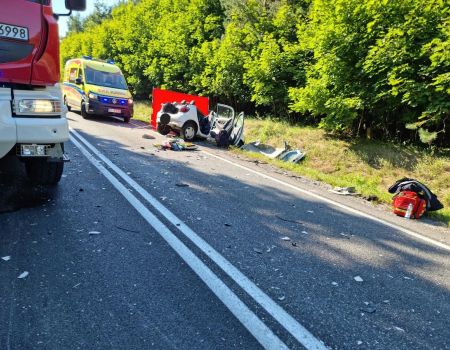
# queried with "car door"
point(236, 136)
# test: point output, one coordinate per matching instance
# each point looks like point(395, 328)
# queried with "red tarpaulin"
point(163, 96)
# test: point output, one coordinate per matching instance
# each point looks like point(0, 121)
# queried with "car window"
point(73, 75)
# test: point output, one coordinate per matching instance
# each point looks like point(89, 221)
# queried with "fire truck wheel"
point(41, 172)
point(83, 111)
point(126, 119)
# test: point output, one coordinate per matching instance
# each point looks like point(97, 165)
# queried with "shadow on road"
point(16, 192)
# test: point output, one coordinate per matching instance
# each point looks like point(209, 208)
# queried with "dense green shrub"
point(375, 67)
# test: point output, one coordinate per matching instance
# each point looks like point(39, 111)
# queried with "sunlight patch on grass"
point(142, 110)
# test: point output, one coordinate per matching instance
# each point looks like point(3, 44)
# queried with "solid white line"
point(250, 321)
point(337, 204)
point(287, 321)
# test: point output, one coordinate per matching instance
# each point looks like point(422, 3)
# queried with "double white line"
point(263, 334)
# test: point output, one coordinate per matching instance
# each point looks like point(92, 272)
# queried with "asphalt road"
point(145, 249)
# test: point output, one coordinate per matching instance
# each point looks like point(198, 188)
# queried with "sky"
point(58, 7)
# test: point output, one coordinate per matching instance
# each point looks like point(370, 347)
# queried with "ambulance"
point(96, 87)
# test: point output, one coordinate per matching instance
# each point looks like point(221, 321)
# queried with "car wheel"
point(164, 129)
point(67, 104)
point(42, 172)
point(126, 119)
point(189, 131)
point(83, 111)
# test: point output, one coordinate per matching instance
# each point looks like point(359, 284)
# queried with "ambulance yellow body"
point(96, 87)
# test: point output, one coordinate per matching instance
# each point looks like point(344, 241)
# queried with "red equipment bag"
point(403, 199)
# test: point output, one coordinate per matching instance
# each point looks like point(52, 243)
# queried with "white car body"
point(187, 113)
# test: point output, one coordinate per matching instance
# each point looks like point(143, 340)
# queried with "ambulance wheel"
point(41, 172)
point(188, 131)
point(67, 104)
point(83, 111)
point(164, 129)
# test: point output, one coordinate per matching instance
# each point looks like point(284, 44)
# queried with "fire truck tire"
point(126, 119)
point(41, 172)
point(83, 111)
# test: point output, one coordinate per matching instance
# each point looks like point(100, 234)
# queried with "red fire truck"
point(33, 125)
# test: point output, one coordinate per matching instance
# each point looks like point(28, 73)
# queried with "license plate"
point(13, 32)
point(113, 110)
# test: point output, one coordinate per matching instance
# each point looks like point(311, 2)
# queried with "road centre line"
point(336, 204)
point(278, 313)
point(251, 322)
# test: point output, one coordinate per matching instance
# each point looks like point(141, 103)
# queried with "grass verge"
point(370, 166)
point(142, 110)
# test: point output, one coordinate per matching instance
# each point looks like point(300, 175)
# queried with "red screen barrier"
point(163, 96)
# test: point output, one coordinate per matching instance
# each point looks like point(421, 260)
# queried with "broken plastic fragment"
point(23, 274)
point(358, 279)
point(285, 238)
point(6, 258)
point(94, 232)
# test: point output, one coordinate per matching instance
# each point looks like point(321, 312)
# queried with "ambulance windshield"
point(113, 80)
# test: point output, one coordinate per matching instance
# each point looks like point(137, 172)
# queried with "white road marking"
point(250, 321)
point(278, 313)
point(336, 204)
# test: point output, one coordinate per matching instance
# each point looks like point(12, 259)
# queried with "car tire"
point(126, 119)
point(42, 172)
point(164, 129)
point(83, 112)
point(67, 104)
point(188, 131)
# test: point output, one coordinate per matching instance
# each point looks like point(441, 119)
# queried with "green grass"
point(370, 166)
point(142, 110)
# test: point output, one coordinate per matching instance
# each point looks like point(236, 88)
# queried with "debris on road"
point(368, 308)
point(181, 184)
point(334, 284)
point(399, 329)
point(6, 258)
point(127, 229)
point(285, 153)
point(344, 191)
point(177, 145)
point(93, 233)
point(285, 238)
point(227, 225)
point(256, 250)
point(281, 298)
point(289, 220)
point(23, 275)
point(358, 279)
point(148, 137)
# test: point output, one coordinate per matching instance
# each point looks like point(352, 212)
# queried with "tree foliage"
point(378, 67)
